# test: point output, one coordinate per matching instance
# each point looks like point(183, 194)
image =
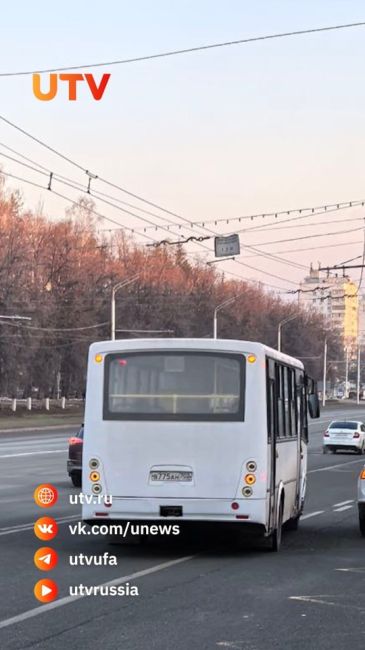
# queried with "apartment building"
point(335, 297)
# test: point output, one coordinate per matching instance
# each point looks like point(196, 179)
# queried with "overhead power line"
point(88, 173)
point(82, 187)
point(98, 214)
point(52, 176)
point(198, 240)
point(189, 50)
point(280, 225)
point(75, 203)
point(321, 209)
point(312, 212)
point(56, 329)
point(312, 248)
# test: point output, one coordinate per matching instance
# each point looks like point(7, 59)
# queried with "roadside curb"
point(41, 428)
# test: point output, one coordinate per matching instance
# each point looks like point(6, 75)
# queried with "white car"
point(344, 434)
point(361, 500)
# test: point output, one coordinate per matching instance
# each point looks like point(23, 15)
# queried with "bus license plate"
point(171, 476)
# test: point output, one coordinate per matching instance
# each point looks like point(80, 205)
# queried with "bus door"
point(271, 398)
point(302, 428)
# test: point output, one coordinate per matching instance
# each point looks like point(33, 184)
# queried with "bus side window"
point(293, 406)
point(286, 385)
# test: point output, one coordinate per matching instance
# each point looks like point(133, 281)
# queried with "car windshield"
point(344, 425)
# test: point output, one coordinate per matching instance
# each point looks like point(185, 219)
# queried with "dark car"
point(74, 461)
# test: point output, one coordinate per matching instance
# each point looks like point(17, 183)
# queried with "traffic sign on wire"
point(224, 246)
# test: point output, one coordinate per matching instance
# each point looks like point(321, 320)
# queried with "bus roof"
point(227, 345)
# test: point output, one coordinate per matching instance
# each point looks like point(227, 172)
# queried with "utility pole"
point(324, 371)
point(358, 374)
point(347, 373)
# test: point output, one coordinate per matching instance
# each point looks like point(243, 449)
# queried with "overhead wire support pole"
point(358, 374)
point(324, 371)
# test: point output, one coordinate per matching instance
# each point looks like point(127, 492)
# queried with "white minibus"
point(200, 430)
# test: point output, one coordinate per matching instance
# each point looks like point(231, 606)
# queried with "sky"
point(245, 129)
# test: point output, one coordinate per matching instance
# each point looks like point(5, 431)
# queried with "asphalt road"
point(196, 593)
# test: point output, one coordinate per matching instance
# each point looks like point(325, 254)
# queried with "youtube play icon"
point(45, 590)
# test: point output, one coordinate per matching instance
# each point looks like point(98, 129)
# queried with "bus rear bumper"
point(162, 509)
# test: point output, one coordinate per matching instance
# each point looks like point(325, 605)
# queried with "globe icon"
point(45, 495)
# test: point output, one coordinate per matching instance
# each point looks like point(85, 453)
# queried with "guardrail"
point(34, 404)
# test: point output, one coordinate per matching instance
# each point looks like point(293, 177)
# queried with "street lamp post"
point(358, 374)
point(116, 288)
point(324, 371)
point(218, 309)
point(283, 322)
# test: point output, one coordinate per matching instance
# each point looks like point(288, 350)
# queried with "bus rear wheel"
point(76, 479)
point(276, 535)
point(293, 523)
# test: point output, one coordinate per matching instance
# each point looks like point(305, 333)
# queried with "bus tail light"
point(251, 466)
point(94, 463)
point(250, 479)
point(235, 505)
point(74, 440)
point(96, 488)
point(362, 475)
point(94, 476)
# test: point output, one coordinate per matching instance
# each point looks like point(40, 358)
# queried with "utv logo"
point(48, 91)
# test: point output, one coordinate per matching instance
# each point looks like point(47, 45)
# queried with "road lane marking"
point(309, 599)
point(36, 453)
point(11, 486)
point(312, 514)
point(343, 508)
point(21, 527)
point(317, 600)
point(31, 613)
point(40, 428)
point(358, 570)
point(325, 469)
point(343, 503)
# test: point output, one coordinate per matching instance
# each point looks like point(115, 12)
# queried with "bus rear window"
point(174, 386)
